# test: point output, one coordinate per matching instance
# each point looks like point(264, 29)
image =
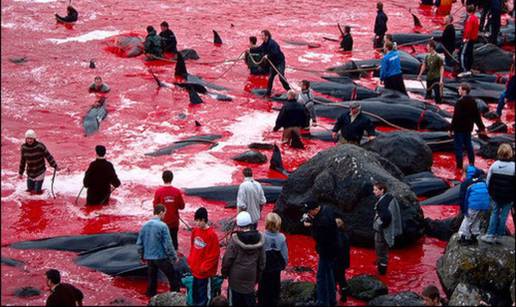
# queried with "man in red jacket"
point(170, 197)
point(470, 37)
point(204, 257)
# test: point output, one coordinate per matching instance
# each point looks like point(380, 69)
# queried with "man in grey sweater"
point(250, 197)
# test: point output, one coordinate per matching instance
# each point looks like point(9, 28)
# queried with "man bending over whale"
point(72, 15)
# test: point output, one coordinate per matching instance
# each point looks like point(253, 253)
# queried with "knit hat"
point(243, 219)
point(100, 150)
point(310, 205)
point(30, 134)
point(201, 214)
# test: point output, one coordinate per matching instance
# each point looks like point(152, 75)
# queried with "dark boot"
point(344, 294)
point(382, 269)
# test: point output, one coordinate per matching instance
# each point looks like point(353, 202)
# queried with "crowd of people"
point(255, 259)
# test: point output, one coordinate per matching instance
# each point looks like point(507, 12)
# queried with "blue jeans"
point(326, 292)
point(200, 291)
point(34, 185)
point(501, 104)
point(463, 139)
point(498, 218)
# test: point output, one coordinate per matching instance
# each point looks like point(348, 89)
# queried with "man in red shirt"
point(204, 258)
point(172, 200)
point(470, 37)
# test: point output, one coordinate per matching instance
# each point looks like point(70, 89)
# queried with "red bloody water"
point(48, 94)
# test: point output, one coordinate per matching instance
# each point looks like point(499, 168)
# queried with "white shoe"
point(464, 74)
point(487, 239)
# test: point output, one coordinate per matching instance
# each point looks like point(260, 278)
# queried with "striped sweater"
point(33, 156)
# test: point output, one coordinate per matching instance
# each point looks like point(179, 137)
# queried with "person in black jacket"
point(465, 114)
point(292, 117)
point(72, 15)
point(382, 219)
point(322, 219)
point(352, 125)
point(346, 43)
point(495, 9)
point(271, 50)
point(168, 39)
point(448, 41)
point(62, 294)
point(380, 26)
point(99, 178)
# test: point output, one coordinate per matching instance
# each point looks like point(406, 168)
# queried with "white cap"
point(243, 219)
point(30, 134)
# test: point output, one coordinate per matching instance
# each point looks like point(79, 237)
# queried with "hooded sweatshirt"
point(501, 180)
point(244, 261)
point(204, 253)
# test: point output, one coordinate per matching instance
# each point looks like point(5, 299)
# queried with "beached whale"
point(426, 184)
point(409, 65)
point(449, 197)
point(96, 114)
point(200, 139)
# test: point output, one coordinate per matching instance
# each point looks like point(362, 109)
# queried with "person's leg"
point(30, 185)
point(322, 280)
point(249, 299)
point(281, 69)
point(465, 227)
point(275, 287)
point(38, 186)
point(501, 104)
point(469, 55)
point(264, 289)
point(500, 231)
point(382, 250)
point(494, 219)
point(495, 30)
point(270, 82)
point(173, 235)
point(475, 224)
point(437, 91)
point(401, 85)
point(458, 141)
point(200, 291)
point(152, 272)
point(469, 148)
point(429, 83)
point(168, 269)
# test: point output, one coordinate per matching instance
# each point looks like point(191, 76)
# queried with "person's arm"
point(49, 157)
point(422, 70)
point(340, 30)
point(385, 214)
point(114, 178)
point(489, 173)
point(228, 259)
point(338, 126)
point(383, 67)
point(441, 71)
point(263, 200)
point(180, 203)
point(23, 163)
point(87, 176)
point(241, 204)
point(284, 250)
point(105, 88)
point(77, 295)
point(211, 257)
point(377, 25)
point(157, 198)
point(139, 244)
point(279, 119)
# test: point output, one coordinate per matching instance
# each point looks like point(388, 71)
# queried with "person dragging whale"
point(273, 53)
point(72, 15)
point(352, 125)
point(100, 178)
point(33, 155)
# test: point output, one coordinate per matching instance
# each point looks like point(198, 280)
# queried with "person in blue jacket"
point(474, 198)
point(390, 69)
point(271, 50)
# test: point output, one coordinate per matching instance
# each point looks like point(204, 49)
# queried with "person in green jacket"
point(152, 44)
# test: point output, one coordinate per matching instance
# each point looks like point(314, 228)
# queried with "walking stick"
point(186, 224)
point(78, 195)
point(52, 184)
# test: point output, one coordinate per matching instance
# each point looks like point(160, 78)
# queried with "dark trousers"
point(436, 89)
point(201, 291)
point(395, 83)
point(466, 56)
point(382, 249)
point(448, 58)
point(340, 276)
point(269, 288)
point(483, 16)
point(34, 185)
point(165, 266)
point(501, 103)
point(240, 299)
point(326, 292)
point(173, 235)
point(495, 29)
point(461, 140)
point(273, 73)
point(378, 42)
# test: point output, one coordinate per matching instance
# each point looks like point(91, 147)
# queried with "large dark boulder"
point(467, 295)
point(342, 177)
point(366, 287)
point(251, 156)
point(490, 267)
point(407, 151)
point(296, 293)
point(406, 298)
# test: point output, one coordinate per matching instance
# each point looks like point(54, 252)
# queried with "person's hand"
point(418, 78)
point(307, 224)
point(143, 261)
point(314, 124)
point(450, 133)
point(57, 168)
point(265, 57)
point(334, 135)
point(371, 137)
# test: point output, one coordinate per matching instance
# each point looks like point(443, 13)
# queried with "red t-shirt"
point(471, 28)
point(171, 198)
point(204, 253)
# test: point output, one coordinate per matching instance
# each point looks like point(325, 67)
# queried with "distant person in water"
point(346, 42)
point(168, 39)
point(252, 58)
point(33, 155)
point(72, 15)
point(380, 25)
point(271, 51)
point(98, 86)
point(100, 179)
point(152, 45)
point(62, 294)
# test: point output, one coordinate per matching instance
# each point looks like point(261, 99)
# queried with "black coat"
point(325, 233)
point(272, 50)
point(292, 114)
point(99, 178)
point(343, 249)
point(347, 42)
point(65, 295)
point(465, 114)
point(381, 208)
point(168, 41)
point(353, 131)
point(380, 23)
point(448, 38)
